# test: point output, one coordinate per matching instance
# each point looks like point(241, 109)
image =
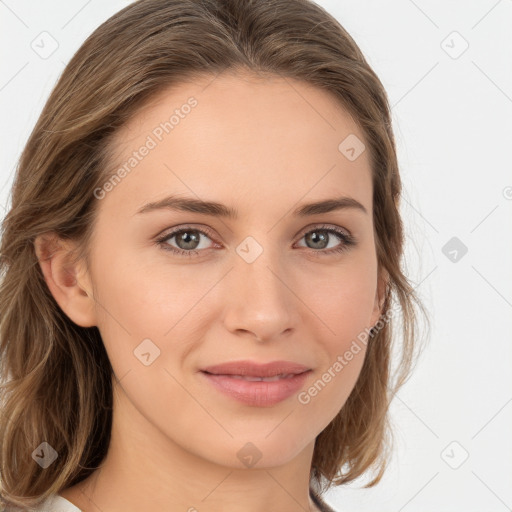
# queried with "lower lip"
point(258, 393)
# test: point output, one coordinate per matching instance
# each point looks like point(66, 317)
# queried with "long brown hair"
point(55, 375)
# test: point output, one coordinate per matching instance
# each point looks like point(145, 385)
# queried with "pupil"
point(315, 238)
point(188, 239)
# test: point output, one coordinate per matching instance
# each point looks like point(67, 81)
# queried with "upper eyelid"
point(324, 225)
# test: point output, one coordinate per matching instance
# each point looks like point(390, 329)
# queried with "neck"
point(145, 468)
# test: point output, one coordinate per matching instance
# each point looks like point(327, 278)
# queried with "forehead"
point(239, 138)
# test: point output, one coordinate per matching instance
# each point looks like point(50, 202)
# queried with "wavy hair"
point(56, 378)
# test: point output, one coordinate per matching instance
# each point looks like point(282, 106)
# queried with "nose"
point(261, 302)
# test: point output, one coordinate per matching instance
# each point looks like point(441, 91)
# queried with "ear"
point(380, 295)
point(68, 281)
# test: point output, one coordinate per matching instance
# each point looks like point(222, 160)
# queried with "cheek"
point(346, 312)
point(144, 297)
point(343, 303)
point(343, 298)
point(139, 301)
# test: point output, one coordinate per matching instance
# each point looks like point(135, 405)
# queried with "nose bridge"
point(258, 266)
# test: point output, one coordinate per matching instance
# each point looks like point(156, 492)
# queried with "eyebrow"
point(212, 208)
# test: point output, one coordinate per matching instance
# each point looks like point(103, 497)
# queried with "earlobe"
point(380, 296)
point(67, 280)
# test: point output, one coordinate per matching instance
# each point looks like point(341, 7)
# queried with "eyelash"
point(346, 239)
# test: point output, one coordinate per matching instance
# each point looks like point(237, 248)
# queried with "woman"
point(205, 240)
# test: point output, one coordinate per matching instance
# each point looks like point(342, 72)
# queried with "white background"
point(453, 124)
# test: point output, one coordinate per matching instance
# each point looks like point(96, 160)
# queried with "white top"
point(56, 503)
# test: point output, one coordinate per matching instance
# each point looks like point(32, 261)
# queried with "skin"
point(263, 146)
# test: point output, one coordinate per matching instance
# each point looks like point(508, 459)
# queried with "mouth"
point(273, 370)
point(253, 378)
point(257, 390)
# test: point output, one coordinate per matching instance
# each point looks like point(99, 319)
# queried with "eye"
point(321, 236)
point(188, 240)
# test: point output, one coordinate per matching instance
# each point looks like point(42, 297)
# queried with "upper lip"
point(253, 369)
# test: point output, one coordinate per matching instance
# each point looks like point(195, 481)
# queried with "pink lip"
point(257, 393)
point(253, 369)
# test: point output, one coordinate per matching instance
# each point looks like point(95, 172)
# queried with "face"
point(178, 290)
